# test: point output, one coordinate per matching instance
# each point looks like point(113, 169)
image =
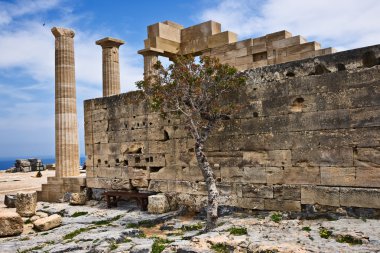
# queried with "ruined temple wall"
point(311, 134)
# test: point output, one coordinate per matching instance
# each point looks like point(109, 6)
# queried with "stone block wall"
point(170, 39)
point(309, 134)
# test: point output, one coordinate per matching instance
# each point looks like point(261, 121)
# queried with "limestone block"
point(268, 158)
point(243, 44)
point(107, 183)
point(244, 60)
point(277, 36)
point(139, 177)
point(99, 126)
point(48, 223)
point(367, 157)
point(158, 185)
point(26, 204)
point(221, 39)
point(10, 200)
point(99, 137)
point(173, 24)
point(194, 45)
point(302, 48)
point(202, 30)
point(282, 205)
point(165, 45)
point(365, 117)
point(166, 31)
point(360, 197)
point(251, 203)
point(293, 175)
point(341, 156)
point(254, 191)
point(328, 196)
point(367, 176)
point(158, 204)
point(287, 192)
point(166, 173)
point(338, 176)
point(247, 174)
point(292, 41)
point(11, 223)
point(78, 198)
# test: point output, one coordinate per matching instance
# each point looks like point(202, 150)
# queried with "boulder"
point(26, 204)
point(78, 198)
point(48, 223)
point(10, 223)
point(38, 216)
point(10, 201)
point(158, 204)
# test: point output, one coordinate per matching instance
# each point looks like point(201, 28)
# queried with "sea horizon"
point(8, 162)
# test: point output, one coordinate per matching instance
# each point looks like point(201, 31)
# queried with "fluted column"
point(66, 122)
point(149, 60)
point(111, 67)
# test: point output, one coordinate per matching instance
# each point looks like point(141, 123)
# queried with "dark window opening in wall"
point(169, 121)
point(132, 128)
point(125, 163)
point(290, 74)
point(155, 169)
point(147, 159)
point(151, 159)
point(150, 123)
point(126, 125)
point(105, 162)
point(166, 135)
point(134, 116)
point(137, 159)
point(143, 123)
point(255, 114)
point(341, 67)
point(117, 160)
point(99, 161)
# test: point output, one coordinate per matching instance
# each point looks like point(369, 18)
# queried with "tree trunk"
point(208, 175)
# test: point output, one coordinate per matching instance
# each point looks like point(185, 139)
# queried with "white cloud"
point(342, 24)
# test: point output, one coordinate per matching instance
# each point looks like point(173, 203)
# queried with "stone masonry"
point(66, 125)
point(169, 39)
point(111, 68)
point(308, 133)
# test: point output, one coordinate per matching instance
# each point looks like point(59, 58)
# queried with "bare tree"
point(201, 92)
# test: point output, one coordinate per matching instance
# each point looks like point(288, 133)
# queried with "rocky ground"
point(94, 228)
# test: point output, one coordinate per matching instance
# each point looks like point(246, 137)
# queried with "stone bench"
point(112, 197)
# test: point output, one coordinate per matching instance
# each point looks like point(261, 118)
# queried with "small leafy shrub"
point(276, 217)
point(325, 233)
point(349, 239)
point(127, 240)
point(159, 245)
point(113, 246)
point(237, 231)
point(192, 227)
point(77, 214)
point(132, 225)
point(106, 222)
point(307, 229)
point(28, 221)
point(77, 232)
point(220, 248)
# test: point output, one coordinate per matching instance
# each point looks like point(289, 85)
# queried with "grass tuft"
point(159, 245)
point(77, 214)
point(192, 227)
point(220, 248)
point(307, 229)
point(276, 217)
point(325, 233)
point(237, 231)
point(71, 235)
point(349, 239)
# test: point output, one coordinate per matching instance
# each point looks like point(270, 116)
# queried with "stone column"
point(149, 60)
point(111, 68)
point(66, 122)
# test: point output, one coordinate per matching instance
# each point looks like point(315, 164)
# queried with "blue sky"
point(27, 47)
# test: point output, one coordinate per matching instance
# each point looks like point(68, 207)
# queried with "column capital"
point(109, 42)
point(62, 32)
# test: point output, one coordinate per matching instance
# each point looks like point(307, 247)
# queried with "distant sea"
point(6, 163)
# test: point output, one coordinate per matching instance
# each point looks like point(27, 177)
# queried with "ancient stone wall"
point(169, 39)
point(310, 134)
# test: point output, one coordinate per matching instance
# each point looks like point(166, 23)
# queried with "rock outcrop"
point(158, 204)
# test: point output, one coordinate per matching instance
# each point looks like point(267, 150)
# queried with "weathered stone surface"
point(48, 223)
point(26, 204)
point(10, 200)
point(10, 223)
point(360, 197)
point(158, 204)
point(328, 196)
point(78, 198)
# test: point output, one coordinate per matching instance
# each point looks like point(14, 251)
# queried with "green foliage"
point(113, 246)
point(25, 238)
point(276, 217)
point(106, 222)
point(325, 233)
point(141, 235)
point(349, 239)
point(237, 231)
point(267, 251)
point(307, 229)
point(127, 240)
point(28, 221)
point(192, 227)
point(132, 225)
point(71, 235)
point(159, 245)
point(38, 247)
point(77, 214)
point(220, 248)
point(146, 223)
